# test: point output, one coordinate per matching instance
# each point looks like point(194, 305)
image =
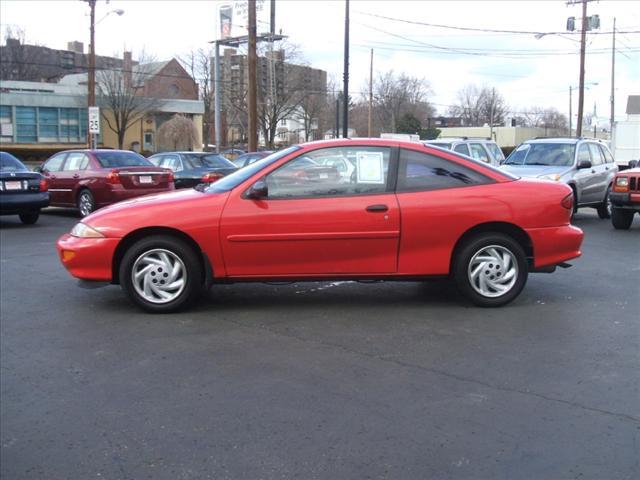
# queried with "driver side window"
point(332, 172)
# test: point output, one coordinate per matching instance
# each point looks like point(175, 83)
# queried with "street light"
point(91, 138)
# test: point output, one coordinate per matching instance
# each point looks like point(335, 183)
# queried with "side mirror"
point(258, 190)
point(633, 163)
point(584, 164)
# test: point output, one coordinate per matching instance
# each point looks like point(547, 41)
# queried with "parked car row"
point(22, 192)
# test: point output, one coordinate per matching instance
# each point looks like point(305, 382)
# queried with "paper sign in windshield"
point(370, 167)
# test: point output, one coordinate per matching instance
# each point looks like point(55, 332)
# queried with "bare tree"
point(198, 64)
point(309, 113)
point(395, 96)
point(118, 94)
point(479, 106)
point(18, 61)
point(178, 133)
point(543, 118)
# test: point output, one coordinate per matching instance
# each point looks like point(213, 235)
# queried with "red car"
point(625, 198)
point(409, 212)
point(90, 179)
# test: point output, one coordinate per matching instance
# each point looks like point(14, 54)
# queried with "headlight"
point(554, 177)
point(622, 182)
point(82, 230)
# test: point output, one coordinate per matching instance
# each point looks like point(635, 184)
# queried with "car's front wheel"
point(621, 219)
point(29, 218)
point(491, 269)
point(161, 274)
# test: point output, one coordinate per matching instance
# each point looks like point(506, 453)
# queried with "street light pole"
point(91, 138)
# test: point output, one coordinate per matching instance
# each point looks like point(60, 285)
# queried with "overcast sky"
point(528, 71)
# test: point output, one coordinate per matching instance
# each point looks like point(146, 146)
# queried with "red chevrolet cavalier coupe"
point(408, 212)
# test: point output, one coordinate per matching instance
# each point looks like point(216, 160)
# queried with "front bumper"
point(627, 200)
point(13, 203)
point(88, 258)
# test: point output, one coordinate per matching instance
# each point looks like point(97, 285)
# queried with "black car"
point(22, 192)
point(248, 158)
point(192, 168)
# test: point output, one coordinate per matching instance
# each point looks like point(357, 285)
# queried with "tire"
point(604, 210)
point(86, 202)
point(575, 202)
point(169, 274)
point(621, 219)
point(480, 265)
point(29, 218)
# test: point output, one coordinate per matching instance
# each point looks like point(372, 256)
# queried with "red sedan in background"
point(90, 179)
point(408, 212)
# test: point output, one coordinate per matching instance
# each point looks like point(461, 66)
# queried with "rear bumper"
point(555, 245)
point(628, 201)
point(88, 258)
point(13, 203)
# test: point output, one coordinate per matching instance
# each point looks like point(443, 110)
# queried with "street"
point(334, 380)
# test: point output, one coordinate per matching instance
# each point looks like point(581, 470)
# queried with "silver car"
point(480, 149)
point(585, 164)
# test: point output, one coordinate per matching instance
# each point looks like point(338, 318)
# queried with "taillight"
point(170, 177)
point(211, 177)
point(621, 184)
point(113, 177)
point(44, 185)
point(567, 202)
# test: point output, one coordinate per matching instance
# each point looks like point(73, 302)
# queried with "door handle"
point(377, 208)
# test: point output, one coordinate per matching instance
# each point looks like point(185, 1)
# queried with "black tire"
point(621, 219)
point(575, 202)
point(86, 202)
point(179, 253)
point(491, 277)
point(604, 210)
point(29, 218)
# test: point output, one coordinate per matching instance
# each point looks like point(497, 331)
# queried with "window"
point(172, 162)
point(583, 153)
point(607, 154)
point(26, 127)
point(54, 164)
point(48, 124)
point(462, 148)
point(76, 161)
point(479, 153)
point(495, 151)
point(421, 171)
point(596, 154)
point(315, 174)
point(117, 159)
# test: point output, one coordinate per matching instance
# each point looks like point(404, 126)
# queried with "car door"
point(312, 223)
point(71, 175)
point(586, 178)
point(601, 172)
point(50, 170)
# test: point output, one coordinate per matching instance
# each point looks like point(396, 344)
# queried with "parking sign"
point(94, 119)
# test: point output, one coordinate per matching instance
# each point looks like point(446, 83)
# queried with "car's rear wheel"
point(604, 210)
point(621, 219)
point(491, 269)
point(29, 218)
point(86, 203)
point(161, 274)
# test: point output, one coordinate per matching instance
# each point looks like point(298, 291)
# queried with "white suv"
point(481, 149)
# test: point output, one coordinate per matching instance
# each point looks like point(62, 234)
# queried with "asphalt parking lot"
point(335, 380)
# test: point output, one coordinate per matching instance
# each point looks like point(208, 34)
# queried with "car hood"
point(175, 209)
point(534, 171)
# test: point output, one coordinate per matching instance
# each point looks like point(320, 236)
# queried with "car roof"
point(571, 140)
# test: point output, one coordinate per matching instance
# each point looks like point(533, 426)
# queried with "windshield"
point(547, 154)
point(211, 160)
point(231, 181)
point(9, 163)
point(121, 159)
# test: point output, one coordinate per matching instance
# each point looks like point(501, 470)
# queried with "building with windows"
point(38, 119)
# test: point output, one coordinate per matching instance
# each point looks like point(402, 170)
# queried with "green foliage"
point(408, 123)
point(430, 133)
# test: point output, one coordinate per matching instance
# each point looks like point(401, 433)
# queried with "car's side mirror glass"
point(258, 190)
point(633, 163)
point(584, 164)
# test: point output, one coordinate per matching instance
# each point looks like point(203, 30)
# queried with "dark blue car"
point(192, 168)
point(22, 192)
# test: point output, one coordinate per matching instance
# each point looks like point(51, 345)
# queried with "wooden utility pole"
point(613, 75)
point(583, 41)
point(252, 80)
point(370, 93)
point(345, 90)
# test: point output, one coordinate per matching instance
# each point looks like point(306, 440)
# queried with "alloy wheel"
point(159, 276)
point(493, 271)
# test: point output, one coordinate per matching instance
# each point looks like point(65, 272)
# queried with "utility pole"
point(217, 105)
point(570, 114)
point(613, 75)
point(583, 39)
point(252, 80)
point(345, 106)
point(91, 138)
point(337, 135)
point(370, 93)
